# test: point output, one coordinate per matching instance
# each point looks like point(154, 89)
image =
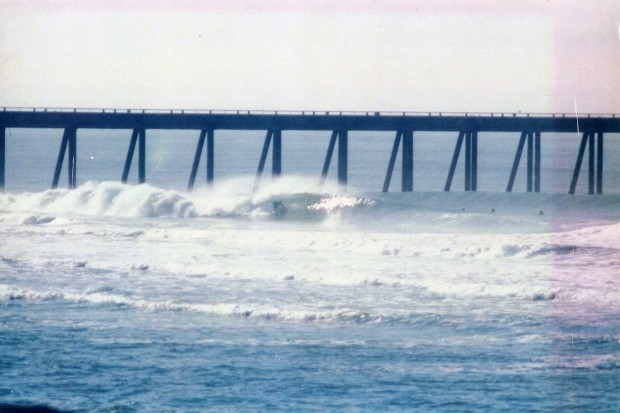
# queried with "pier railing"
point(312, 112)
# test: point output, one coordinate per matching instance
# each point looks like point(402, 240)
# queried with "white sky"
point(451, 55)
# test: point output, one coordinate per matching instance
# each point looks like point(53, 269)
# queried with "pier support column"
point(343, 155)
point(599, 163)
point(537, 162)
point(209, 135)
point(390, 169)
point(467, 161)
point(471, 161)
point(530, 161)
point(407, 163)
point(137, 136)
point(341, 136)
point(276, 154)
point(2, 156)
point(210, 157)
point(68, 141)
point(474, 161)
point(595, 163)
point(142, 157)
point(328, 157)
point(276, 160)
point(455, 159)
point(533, 162)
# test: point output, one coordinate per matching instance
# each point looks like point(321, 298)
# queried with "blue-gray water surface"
point(140, 298)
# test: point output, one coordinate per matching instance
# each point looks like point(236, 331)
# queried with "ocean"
point(145, 298)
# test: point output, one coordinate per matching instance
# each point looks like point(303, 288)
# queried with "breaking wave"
point(297, 198)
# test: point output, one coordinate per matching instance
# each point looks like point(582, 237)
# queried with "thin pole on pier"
point(132, 147)
point(197, 156)
point(390, 169)
point(468, 161)
point(142, 157)
point(2, 156)
point(342, 157)
point(515, 164)
point(530, 161)
point(263, 159)
point(537, 162)
point(599, 163)
point(407, 163)
point(328, 157)
point(582, 148)
point(455, 158)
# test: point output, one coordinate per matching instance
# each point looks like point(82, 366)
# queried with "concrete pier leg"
point(591, 161)
point(407, 163)
point(72, 159)
point(142, 157)
point(130, 151)
point(455, 158)
point(515, 164)
point(474, 161)
point(537, 162)
point(530, 161)
point(196, 163)
point(2, 156)
point(467, 161)
point(390, 169)
point(582, 148)
point(599, 163)
point(263, 159)
point(61, 157)
point(328, 157)
point(210, 157)
point(276, 154)
point(343, 150)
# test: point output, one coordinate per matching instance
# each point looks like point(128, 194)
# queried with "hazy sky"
point(527, 55)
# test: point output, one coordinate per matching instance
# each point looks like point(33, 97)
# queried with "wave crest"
point(104, 198)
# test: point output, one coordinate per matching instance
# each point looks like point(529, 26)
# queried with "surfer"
point(279, 210)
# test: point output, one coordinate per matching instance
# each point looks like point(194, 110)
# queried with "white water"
point(156, 299)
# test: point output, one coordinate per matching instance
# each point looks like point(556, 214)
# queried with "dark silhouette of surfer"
point(279, 210)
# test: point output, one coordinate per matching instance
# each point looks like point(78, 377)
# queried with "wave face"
point(302, 199)
point(134, 291)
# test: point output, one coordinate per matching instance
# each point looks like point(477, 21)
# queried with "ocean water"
point(142, 298)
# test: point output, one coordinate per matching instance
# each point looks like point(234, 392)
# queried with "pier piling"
point(68, 141)
point(595, 163)
point(276, 156)
point(138, 136)
point(532, 182)
point(343, 156)
point(407, 163)
point(390, 169)
point(328, 157)
point(468, 125)
point(196, 163)
point(455, 159)
point(599, 164)
point(2, 156)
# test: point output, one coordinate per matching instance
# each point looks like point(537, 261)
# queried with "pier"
point(530, 127)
